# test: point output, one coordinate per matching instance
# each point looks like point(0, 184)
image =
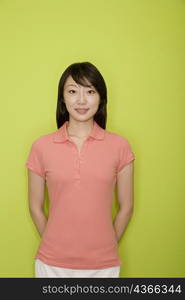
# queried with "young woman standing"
point(81, 163)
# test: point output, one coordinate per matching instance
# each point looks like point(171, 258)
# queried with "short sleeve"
point(34, 160)
point(126, 155)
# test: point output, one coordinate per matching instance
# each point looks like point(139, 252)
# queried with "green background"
point(139, 47)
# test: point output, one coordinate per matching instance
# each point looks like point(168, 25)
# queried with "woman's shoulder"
point(116, 137)
point(44, 139)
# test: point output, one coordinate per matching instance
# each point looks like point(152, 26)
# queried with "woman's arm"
point(125, 183)
point(36, 188)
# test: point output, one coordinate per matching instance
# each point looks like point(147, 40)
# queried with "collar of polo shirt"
point(61, 135)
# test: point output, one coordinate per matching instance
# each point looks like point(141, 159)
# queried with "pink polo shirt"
point(79, 233)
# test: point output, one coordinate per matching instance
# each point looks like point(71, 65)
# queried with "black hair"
point(80, 72)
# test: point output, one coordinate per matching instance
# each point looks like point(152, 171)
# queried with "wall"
point(139, 48)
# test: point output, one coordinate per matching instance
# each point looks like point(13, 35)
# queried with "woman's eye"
point(92, 91)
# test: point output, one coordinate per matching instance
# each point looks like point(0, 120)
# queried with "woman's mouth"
point(82, 111)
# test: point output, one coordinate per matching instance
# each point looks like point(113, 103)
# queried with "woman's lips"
point(82, 111)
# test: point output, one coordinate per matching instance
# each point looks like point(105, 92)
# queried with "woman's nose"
point(82, 97)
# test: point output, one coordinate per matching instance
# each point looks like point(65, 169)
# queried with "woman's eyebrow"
point(77, 86)
point(72, 84)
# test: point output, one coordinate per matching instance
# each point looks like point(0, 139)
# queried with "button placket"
point(79, 159)
point(77, 164)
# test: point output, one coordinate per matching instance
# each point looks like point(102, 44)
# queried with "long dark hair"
point(80, 72)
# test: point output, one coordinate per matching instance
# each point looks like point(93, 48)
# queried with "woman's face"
point(77, 96)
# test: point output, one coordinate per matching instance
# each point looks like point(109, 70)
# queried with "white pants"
point(44, 270)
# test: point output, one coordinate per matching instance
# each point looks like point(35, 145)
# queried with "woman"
point(80, 163)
